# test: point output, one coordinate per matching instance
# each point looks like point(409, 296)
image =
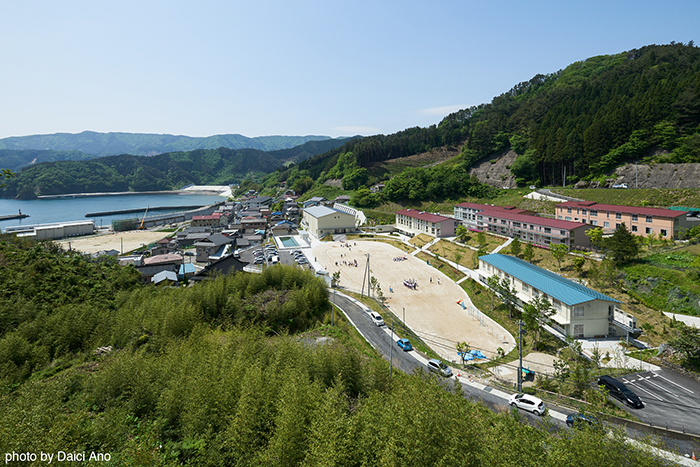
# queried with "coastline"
point(217, 190)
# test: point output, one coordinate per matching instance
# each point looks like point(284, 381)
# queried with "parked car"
point(404, 344)
point(376, 318)
point(620, 392)
point(258, 261)
point(527, 402)
point(579, 419)
point(436, 366)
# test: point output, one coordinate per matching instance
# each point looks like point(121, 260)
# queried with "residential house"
point(209, 246)
point(257, 203)
point(164, 246)
point(315, 201)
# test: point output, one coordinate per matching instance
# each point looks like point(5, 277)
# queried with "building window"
point(532, 227)
point(618, 215)
point(634, 228)
point(650, 219)
point(557, 304)
point(594, 213)
point(559, 217)
point(547, 230)
point(568, 210)
point(635, 218)
point(583, 211)
point(664, 233)
point(567, 218)
point(578, 331)
point(594, 222)
point(649, 230)
point(606, 224)
point(578, 312)
point(617, 226)
point(526, 288)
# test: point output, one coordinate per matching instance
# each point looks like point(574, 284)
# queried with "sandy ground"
point(431, 311)
point(113, 241)
point(540, 363)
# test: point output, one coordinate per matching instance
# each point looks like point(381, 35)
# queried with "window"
point(594, 213)
point(557, 304)
point(634, 228)
point(578, 331)
point(607, 214)
point(606, 224)
point(594, 222)
point(547, 230)
point(562, 233)
point(567, 218)
point(532, 227)
point(650, 219)
point(664, 233)
point(583, 211)
point(578, 312)
point(568, 210)
point(648, 230)
point(618, 215)
point(503, 221)
point(617, 226)
point(559, 217)
point(635, 218)
point(526, 288)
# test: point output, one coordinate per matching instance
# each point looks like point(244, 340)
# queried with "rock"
point(581, 184)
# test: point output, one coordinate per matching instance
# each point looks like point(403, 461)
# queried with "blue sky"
point(295, 67)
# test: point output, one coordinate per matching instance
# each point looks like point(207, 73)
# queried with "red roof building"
point(664, 223)
point(412, 222)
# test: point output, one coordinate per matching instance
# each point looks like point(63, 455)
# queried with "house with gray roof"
point(581, 312)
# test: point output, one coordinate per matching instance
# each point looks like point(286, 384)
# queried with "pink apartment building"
point(665, 223)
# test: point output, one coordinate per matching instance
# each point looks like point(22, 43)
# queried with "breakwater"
point(132, 210)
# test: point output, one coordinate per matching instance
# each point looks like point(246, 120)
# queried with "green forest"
point(168, 171)
point(226, 373)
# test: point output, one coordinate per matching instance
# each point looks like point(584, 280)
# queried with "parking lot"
point(671, 400)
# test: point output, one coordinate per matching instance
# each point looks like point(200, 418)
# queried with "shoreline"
point(123, 193)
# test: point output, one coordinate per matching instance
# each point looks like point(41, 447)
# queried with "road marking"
point(650, 393)
point(672, 382)
point(663, 388)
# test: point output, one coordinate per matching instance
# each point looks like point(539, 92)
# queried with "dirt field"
point(131, 239)
point(431, 310)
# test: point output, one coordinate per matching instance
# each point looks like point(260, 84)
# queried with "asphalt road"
point(671, 400)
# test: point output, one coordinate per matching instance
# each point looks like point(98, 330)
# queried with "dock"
point(13, 216)
point(129, 211)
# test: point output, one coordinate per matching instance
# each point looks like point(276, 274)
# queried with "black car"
point(620, 392)
point(579, 419)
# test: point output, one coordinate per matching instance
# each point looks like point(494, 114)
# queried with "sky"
point(260, 68)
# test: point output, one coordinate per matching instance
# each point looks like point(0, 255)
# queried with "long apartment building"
point(580, 312)
point(641, 221)
point(411, 222)
point(522, 224)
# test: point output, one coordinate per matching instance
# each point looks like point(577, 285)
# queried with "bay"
point(44, 211)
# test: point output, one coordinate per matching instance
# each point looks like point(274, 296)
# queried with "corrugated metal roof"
point(535, 220)
point(661, 212)
point(424, 216)
point(564, 290)
point(322, 211)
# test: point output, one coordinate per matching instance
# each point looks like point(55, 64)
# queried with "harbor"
point(133, 210)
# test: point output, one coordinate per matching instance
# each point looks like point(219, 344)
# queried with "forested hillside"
point(579, 122)
point(162, 172)
point(110, 144)
point(217, 374)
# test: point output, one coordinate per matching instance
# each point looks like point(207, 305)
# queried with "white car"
point(376, 318)
point(527, 402)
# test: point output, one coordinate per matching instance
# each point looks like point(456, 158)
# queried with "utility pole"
point(391, 352)
point(333, 310)
point(366, 277)
point(520, 352)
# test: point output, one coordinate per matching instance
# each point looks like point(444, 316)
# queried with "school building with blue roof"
point(581, 312)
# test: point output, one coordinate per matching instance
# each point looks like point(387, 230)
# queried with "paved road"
point(671, 400)
point(381, 339)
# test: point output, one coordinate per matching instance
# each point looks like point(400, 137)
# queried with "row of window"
point(618, 215)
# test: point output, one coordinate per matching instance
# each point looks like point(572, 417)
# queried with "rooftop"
point(564, 290)
point(529, 219)
point(424, 216)
point(323, 211)
point(661, 212)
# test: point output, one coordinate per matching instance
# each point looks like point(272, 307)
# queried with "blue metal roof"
point(564, 290)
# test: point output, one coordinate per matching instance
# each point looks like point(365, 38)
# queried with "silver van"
point(436, 366)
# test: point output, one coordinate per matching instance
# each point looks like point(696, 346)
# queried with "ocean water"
point(44, 211)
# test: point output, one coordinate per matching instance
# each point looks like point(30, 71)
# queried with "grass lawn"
point(454, 252)
point(420, 240)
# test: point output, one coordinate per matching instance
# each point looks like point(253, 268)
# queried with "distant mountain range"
point(20, 151)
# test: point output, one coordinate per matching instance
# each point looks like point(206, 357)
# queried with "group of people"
point(352, 262)
point(411, 284)
point(400, 258)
